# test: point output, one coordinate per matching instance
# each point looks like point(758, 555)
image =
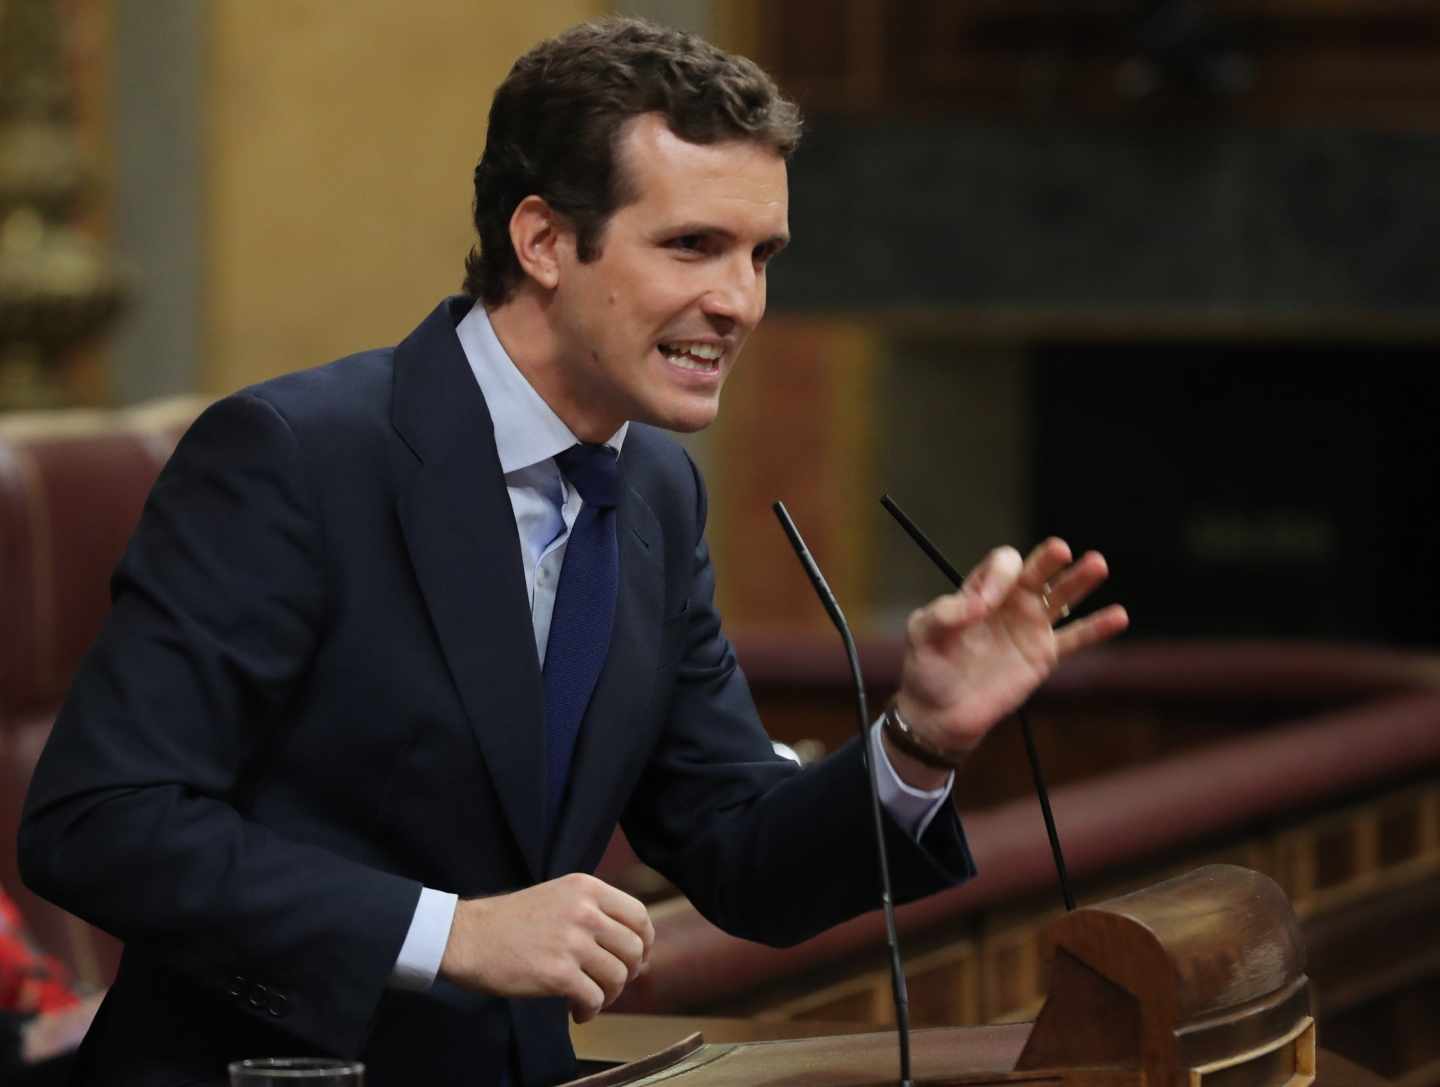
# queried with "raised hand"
point(973, 656)
point(575, 937)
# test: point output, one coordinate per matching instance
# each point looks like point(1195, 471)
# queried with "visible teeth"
point(708, 352)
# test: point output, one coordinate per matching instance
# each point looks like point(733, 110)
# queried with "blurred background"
point(1157, 275)
point(1153, 274)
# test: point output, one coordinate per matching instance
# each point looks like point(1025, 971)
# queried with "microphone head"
point(812, 568)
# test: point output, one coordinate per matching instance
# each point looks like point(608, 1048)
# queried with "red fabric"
point(30, 982)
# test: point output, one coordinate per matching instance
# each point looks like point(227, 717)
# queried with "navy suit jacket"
point(318, 691)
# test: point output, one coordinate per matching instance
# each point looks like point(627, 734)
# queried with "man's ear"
point(538, 234)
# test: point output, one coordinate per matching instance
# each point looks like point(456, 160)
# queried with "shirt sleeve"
point(419, 960)
point(424, 946)
point(911, 808)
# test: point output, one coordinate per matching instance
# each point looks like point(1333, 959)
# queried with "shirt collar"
point(527, 430)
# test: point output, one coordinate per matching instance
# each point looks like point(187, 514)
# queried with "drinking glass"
point(297, 1072)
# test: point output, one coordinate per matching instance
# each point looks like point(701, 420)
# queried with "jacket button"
point(258, 995)
point(236, 988)
point(279, 1005)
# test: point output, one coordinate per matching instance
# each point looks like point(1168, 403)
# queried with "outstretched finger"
point(984, 589)
point(1076, 582)
point(1091, 630)
point(994, 576)
point(1046, 560)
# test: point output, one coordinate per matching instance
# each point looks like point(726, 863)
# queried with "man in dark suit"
point(399, 640)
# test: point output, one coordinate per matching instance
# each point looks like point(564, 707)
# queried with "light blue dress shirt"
point(528, 434)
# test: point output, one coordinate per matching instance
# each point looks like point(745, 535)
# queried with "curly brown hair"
point(556, 118)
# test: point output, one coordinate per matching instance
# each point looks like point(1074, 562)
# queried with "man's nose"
point(737, 296)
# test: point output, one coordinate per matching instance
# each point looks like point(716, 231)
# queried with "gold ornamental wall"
point(338, 146)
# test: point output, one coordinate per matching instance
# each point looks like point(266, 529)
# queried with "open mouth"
point(701, 358)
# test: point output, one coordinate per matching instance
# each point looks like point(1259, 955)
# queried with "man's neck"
point(522, 326)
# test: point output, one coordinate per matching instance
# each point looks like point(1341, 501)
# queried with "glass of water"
point(297, 1072)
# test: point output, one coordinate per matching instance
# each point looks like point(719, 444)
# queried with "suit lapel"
point(460, 532)
point(612, 730)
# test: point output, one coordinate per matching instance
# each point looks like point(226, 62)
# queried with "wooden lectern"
point(1195, 982)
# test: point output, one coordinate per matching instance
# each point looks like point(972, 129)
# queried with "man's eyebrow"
point(778, 241)
point(680, 230)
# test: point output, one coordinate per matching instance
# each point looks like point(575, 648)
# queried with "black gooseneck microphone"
point(1043, 793)
point(832, 607)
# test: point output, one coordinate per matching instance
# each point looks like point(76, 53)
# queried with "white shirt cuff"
point(912, 808)
point(419, 960)
point(424, 945)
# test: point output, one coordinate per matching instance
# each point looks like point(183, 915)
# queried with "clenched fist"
point(575, 937)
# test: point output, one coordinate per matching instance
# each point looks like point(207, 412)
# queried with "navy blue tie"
point(584, 611)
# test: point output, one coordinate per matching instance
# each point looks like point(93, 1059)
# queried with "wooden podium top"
point(1195, 982)
point(621, 1039)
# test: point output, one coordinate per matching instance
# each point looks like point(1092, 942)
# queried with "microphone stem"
point(887, 902)
point(948, 569)
point(1049, 816)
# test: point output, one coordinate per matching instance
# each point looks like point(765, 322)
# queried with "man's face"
point(652, 325)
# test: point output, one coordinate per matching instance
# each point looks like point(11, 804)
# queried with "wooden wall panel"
point(796, 425)
point(1373, 63)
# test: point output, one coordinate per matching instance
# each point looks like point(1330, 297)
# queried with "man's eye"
point(767, 251)
point(690, 242)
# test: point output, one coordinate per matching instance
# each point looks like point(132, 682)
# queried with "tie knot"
point(594, 471)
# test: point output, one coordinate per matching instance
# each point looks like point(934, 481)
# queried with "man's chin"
point(687, 418)
point(693, 423)
point(690, 426)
